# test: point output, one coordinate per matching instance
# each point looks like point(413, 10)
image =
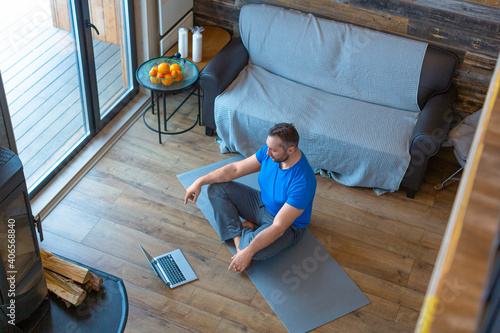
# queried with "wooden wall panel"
point(491, 3)
point(468, 28)
point(104, 14)
point(346, 13)
point(60, 14)
point(481, 11)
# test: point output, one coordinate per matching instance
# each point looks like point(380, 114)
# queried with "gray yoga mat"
point(304, 285)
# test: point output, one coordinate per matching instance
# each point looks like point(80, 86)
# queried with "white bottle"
point(197, 46)
point(183, 42)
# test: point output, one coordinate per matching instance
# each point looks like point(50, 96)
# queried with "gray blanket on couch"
point(351, 92)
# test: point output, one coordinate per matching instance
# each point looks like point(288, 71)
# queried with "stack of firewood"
point(68, 281)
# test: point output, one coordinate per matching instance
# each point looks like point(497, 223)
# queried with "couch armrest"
point(429, 133)
point(218, 75)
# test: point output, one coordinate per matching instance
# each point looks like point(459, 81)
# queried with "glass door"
point(62, 81)
point(112, 54)
point(42, 84)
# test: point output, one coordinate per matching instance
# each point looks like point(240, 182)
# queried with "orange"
point(154, 80)
point(153, 71)
point(175, 66)
point(168, 81)
point(179, 77)
point(160, 75)
point(174, 72)
point(163, 68)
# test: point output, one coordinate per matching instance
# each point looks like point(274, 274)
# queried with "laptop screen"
point(150, 259)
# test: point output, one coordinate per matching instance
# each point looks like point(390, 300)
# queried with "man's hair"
point(287, 133)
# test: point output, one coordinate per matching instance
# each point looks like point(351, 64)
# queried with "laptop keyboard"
point(171, 269)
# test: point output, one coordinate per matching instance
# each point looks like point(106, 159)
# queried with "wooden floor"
point(387, 244)
point(42, 84)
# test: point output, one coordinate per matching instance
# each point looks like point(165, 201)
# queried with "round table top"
point(190, 72)
point(214, 40)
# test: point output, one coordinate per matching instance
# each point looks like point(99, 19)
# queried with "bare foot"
point(248, 224)
point(237, 243)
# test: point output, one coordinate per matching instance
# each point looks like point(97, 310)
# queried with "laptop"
point(172, 268)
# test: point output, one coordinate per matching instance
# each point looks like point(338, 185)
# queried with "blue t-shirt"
point(295, 186)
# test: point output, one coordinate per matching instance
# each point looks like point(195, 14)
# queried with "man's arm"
point(224, 174)
point(282, 221)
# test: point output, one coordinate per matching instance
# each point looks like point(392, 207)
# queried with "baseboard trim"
point(52, 194)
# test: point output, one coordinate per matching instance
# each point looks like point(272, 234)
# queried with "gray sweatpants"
point(233, 200)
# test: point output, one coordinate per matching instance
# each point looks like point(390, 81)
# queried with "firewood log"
point(95, 281)
point(65, 268)
point(87, 286)
point(64, 288)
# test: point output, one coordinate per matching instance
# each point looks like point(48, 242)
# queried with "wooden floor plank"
point(403, 210)
point(395, 244)
point(183, 315)
point(98, 190)
point(260, 303)
point(70, 223)
point(161, 198)
point(140, 320)
point(173, 231)
point(359, 216)
point(407, 317)
point(387, 290)
point(165, 227)
point(431, 240)
point(365, 258)
point(381, 307)
point(235, 311)
point(420, 276)
point(233, 327)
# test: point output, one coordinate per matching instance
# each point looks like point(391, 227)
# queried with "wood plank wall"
point(470, 29)
point(104, 14)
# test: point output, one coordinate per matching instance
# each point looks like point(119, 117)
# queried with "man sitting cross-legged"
point(276, 216)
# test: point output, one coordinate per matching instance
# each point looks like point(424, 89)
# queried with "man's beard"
point(283, 158)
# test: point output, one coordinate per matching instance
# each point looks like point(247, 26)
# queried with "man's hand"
point(241, 260)
point(192, 192)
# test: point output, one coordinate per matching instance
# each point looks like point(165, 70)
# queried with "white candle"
point(197, 45)
point(183, 42)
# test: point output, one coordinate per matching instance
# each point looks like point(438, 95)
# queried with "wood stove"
point(22, 281)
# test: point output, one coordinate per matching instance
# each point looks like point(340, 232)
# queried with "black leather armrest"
point(435, 119)
point(218, 75)
point(430, 131)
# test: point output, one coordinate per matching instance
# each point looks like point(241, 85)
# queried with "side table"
point(214, 39)
point(189, 80)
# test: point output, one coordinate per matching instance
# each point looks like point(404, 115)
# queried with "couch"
point(371, 108)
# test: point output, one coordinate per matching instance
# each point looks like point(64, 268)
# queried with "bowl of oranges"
point(165, 71)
